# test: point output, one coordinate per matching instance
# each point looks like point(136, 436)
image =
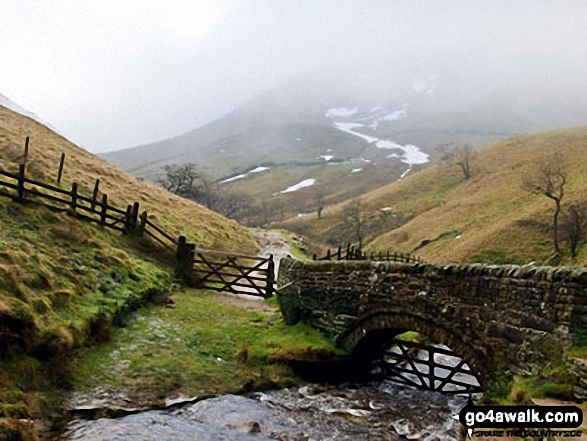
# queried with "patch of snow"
point(393, 155)
point(368, 161)
point(327, 157)
point(347, 127)
point(340, 112)
point(303, 184)
point(234, 178)
point(458, 237)
point(259, 169)
point(395, 115)
point(385, 209)
point(385, 144)
point(356, 170)
point(406, 172)
point(413, 155)
point(328, 150)
point(302, 214)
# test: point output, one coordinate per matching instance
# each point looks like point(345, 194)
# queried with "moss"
point(201, 346)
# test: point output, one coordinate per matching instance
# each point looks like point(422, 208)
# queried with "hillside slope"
point(63, 281)
point(487, 218)
point(176, 215)
point(308, 132)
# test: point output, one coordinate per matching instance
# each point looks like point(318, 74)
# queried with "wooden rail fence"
point(420, 366)
point(221, 271)
point(354, 253)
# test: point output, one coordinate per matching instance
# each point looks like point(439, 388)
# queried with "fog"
point(114, 74)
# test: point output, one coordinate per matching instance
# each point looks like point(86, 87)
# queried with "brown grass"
point(174, 214)
point(491, 210)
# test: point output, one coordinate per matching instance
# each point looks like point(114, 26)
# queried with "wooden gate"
point(235, 273)
point(429, 367)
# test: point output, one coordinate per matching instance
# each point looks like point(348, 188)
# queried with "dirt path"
point(269, 242)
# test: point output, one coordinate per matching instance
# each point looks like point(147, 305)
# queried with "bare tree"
point(320, 201)
point(549, 181)
point(235, 206)
point(180, 179)
point(463, 157)
point(356, 216)
point(573, 227)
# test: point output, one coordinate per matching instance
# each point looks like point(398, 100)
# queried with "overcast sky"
point(118, 73)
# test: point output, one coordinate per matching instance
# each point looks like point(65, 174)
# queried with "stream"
point(382, 410)
point(375, 411)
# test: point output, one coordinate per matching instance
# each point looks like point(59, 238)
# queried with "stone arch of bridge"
point(370, 336)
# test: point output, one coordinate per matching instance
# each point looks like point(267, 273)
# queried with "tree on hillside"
point(180, 179)
point(320, 201)
point(573, 227)
point(356, 216)
point(549, 180)
point(463, 157)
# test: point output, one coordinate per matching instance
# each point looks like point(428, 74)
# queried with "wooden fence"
point(429, 367)
point(236, 273)
point(84, 207)
point(354, 253)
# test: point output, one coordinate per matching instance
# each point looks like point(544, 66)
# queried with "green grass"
point(201, 346)
point(293, 245)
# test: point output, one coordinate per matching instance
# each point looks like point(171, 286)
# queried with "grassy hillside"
point(64, 282)
point(487, 218)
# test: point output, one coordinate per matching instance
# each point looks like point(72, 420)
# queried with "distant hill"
point(442, 217)
point(343, 142)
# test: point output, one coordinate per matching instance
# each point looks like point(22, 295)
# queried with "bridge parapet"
point(515, 317)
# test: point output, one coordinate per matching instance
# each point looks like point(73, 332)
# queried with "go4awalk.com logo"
point(521, 421)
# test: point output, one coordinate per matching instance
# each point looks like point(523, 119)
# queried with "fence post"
point(134, 216)
point(95, 194)
point(328, 255)
point(371, 255)
point(104, 208)
point(26, 150)
point(270, 277)
point(184, 259)
point(20, 183)
point(314, 256)
point(74, 198)
point(338, 252)
point(127, 218)
point(388, 255)
point(61, 162)
point(348, 251)
point(352, 254)
point(143, 222)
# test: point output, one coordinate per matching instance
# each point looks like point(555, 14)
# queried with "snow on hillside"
point(410, 154)
point(259, 169)
point(337, 112)
point(298, 186)
point(234, 178)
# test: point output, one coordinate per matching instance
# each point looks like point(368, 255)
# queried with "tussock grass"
point(64, 282)
point(491, 211)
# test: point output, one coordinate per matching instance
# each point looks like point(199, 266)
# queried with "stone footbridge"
point(497, 318)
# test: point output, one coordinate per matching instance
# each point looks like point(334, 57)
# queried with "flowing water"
point(383, 411)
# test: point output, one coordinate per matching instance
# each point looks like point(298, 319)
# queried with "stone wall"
point(496, 317)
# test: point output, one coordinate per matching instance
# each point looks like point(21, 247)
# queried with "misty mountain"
point(347, 138)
